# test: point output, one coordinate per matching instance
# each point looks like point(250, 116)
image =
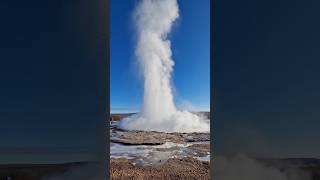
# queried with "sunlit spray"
point(153, 21)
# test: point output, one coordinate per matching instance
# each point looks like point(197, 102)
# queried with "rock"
point(133, 141)
point(201, 149)
point(155, 138)
point(174, 169)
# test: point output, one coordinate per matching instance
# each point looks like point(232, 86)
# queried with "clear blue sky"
point(191, 52)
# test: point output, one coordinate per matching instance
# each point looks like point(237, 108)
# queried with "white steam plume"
point(153, 20)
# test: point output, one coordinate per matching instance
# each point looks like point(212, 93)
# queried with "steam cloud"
point(153, 20)
point(241, 167)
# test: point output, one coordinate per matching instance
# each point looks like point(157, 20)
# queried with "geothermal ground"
point(158, 155)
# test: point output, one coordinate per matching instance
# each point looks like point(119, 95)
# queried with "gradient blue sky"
point(191, 52)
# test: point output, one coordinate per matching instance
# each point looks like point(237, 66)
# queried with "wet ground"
point(155, 154)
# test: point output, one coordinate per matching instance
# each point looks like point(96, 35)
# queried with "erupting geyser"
point(153, 20)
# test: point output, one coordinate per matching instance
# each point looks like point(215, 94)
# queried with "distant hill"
point(118, 116)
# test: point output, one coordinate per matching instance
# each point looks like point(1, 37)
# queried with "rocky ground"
point(154, 138)
point(158, 155)
point(175, 169)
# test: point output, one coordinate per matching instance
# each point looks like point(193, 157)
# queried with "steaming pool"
point(174, 145)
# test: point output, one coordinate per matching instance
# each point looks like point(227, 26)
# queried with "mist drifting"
point(153, 21)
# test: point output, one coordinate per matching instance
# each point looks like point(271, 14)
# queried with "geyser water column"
point(153, 20)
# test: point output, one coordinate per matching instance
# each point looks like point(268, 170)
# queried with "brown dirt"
point(154, 138)
point(141, 141)
point(201, 149)
point(173, 169)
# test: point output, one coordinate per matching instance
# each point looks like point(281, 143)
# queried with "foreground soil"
point(173, 169)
